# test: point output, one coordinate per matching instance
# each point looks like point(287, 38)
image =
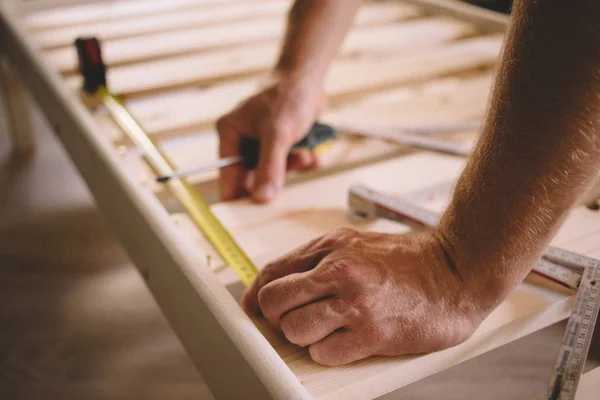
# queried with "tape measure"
point(572, 270)
point(93, 71)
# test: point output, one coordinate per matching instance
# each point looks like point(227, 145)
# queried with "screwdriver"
point(319, 138)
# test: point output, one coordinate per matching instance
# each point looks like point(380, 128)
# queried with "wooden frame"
point(234, 358)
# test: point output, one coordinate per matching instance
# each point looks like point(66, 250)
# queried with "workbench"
point(179, 65)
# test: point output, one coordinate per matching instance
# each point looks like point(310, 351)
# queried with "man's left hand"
point(350, 295)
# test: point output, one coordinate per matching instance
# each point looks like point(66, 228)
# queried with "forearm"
point(316, 28)
point(540, 148)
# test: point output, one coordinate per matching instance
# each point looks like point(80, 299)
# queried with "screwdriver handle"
point(319, 135)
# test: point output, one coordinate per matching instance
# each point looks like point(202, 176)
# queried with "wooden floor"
point(77, 322)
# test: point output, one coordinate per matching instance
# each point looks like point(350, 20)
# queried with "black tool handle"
point(91, 65)
point(318, 135)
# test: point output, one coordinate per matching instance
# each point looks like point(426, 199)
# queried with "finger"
point(289, 292)
point(341, 347)
point(301, 160)
point(312, 322)
point(232, 177)
point(249, 180)
point(302, 259)
point(270, 174)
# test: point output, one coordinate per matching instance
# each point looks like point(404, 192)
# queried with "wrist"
point(480, 289)
point(297, 77)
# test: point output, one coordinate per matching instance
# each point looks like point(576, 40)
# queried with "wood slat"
point(109, 11)
point(589, 386)
point(205, 69)
point(130, 50)
point(151, 24)
point(440, 102)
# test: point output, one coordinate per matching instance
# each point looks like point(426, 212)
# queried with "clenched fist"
point(350, 295)
point(279, 116)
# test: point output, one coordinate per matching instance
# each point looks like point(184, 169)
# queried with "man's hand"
point(278, 117)
point(350, 295)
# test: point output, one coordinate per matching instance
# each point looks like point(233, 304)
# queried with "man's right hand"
point(278, 116)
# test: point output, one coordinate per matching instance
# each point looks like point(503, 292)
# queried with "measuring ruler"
point(94, 75)
point(569, 269)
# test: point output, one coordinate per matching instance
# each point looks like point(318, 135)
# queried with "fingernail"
point(265, 192)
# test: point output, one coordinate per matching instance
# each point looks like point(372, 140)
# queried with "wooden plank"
point(234, 358)
point(488, 21)
point(151, 24)
point(442, 102)
point(203, 69)
point(108, 11)
point(131, 50)
point(589, 387)
point(266, 232)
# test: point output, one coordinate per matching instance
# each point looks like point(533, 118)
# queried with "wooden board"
point(589, 386)
point(266, 232)
point(109, 11)
point(164, 22)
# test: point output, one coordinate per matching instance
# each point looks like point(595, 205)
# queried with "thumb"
point(270, 174)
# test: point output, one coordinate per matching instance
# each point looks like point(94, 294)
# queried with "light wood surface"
point(109, 11)
point(589, 387)
point(267, 232)
point(164, 22)
point(369, 41)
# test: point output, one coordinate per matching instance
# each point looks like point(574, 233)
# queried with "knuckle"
point(294, 329)
point(339, 235)
point(345, 271)
point(268, 273)
point(362, 303)
point(222, 123)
